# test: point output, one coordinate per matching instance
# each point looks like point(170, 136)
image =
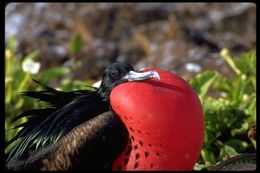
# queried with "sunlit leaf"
point(243, 129)
point(199, 167)
point(229, 59)
point(202, 82)
point(208, 157)
point(227, 151)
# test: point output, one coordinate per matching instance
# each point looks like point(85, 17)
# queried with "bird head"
point(118, 73)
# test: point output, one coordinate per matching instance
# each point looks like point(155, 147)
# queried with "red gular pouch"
point(165, 122)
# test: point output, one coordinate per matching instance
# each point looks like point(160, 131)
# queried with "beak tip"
point(156, 75)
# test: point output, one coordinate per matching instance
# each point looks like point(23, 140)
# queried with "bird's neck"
point(104, 93)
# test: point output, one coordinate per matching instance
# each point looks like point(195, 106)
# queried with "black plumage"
point(92, 145)
point(79, 131)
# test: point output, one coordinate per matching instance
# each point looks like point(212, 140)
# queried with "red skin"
point(166, 116)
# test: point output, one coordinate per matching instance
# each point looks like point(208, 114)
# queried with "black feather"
point(47, 125)
point(51, 95)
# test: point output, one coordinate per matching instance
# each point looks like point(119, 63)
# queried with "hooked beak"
point(137, 76)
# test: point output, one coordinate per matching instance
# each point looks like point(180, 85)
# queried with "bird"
point(78, 131)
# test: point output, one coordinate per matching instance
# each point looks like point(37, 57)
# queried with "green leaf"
point(12, 44)
point(253, 143)
point(208, 157)
point(238, 90)
point(19, 103)
point(239, 145)
point(33, 55)
point(251, 109)
point(202, 82)
point(243, 129)
point(199, 167)
point(246, 63)
point(227, 151)
point(229, 59)
point(76, 44)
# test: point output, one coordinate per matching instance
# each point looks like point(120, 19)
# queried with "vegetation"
point(229, 116)
point(19, 72)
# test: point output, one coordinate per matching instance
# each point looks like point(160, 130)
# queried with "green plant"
point(17, 77)
point(76, 44)
point(19, 72)
point(229, 116)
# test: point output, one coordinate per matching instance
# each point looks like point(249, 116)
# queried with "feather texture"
point(48, 125)
point(93, 145)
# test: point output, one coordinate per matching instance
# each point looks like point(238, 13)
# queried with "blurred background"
point(68, 45)
point(181, 37)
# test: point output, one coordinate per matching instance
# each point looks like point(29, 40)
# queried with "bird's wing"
point(54, 97)
point(44, 126)
point(93, 145)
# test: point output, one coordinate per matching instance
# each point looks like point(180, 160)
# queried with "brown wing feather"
point(92, 145)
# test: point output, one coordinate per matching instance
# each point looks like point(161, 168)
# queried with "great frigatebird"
point(79, 131)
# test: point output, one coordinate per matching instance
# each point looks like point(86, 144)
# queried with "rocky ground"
point(181, 37)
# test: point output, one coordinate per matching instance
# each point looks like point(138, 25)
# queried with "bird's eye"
point(114, 73)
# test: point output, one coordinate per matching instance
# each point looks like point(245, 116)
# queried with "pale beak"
point(137, 76)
